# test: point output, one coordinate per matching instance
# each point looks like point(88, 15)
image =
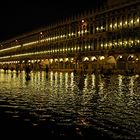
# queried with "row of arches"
point(87, 63)
point(108, 59)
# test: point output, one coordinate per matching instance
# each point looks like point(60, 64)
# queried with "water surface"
point(64, 105)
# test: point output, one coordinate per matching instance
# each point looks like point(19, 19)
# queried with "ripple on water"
point(66, 105)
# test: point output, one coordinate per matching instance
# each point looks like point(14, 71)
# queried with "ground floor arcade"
point(96, 63)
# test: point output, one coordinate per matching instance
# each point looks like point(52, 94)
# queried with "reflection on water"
point(64, 104)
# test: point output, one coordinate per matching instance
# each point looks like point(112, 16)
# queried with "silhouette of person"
point(27, 71)
point(47, 69)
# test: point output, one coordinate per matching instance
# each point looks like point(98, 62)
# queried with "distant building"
point(107, 37)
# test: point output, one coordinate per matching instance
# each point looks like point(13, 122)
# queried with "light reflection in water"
point(109, 104)
point(120, 83)
point(61, 79)
point(93, 81)
point(56, 79)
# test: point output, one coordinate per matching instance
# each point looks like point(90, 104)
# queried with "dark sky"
point(16, 19)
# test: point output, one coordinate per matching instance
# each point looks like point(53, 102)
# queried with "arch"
point(119, 58)
point(101, 57)
point(56, 60)
point(131, 57)
point(93, 58)
point(61, 60)
point(51, 60)
point(66, 59)
point(85, 59)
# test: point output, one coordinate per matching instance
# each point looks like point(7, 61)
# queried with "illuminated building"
point(103, 38)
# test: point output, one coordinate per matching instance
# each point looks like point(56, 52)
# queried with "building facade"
point(101, 39)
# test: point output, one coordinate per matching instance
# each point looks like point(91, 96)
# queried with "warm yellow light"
point(120, 42)
point(14, 47)
point(51, 60)
point(115, 24)
point(72, 59)
point(120, 23)
point(93, 58)
point(131, 21)
point(115, 43)
point(110, 44)
point(61, 59)
point(82, 32)
point(97, 28)
point(102, 27)
point(102, 57)
point(83, 21)
point(86, 59)
point(56, 59)
point(66, 59)
point(110, 25)
point(86, 31)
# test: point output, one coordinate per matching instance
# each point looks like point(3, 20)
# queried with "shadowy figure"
point(5, 68)
point(81, 81)
point(75, 72)
point(17, 68)
point(47, 70)
point(27, 72)
point(12, 71)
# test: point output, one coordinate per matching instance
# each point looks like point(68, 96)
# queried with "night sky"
point(16, 19)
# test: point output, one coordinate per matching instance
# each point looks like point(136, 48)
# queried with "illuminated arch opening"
point(93, 58)
point(56, 60)
point(101, 58)
point(85, 59)
point(66, 59)
point(61, 59)
point(132, 58)
point(51, 60)
point(119, 58)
